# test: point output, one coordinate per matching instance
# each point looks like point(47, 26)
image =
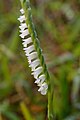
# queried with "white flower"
point(23, 26)
point(22, 11)
point(34, 64)
point(40, 80)
point(29, 49)
point(22, 18)
point(32, 55)
point(43, 88)
point(24, 33)
point(27, 41)
point(37, 72)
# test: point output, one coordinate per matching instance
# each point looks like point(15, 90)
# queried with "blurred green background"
point(57, 23)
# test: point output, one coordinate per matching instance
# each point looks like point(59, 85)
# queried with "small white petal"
point(32, 56)
point(43, 88)
point(29, 50)
point(42, 77)
point(43, 92)
point(37, 81)
point(28, 40)
point(22, 18)
point(25, 44)
point(40, 80)
point(40, 89)
point(24, 33)
point(37, 72)
point(22, 11)
point(34, 64)
point(23, 26)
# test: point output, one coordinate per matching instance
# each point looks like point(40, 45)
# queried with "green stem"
point(26, 6)
point(50, 101)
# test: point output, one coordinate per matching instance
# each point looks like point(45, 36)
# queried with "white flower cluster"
point(32, 55)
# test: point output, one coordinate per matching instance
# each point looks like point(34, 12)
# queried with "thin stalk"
point(50, 103)
point(26, 7)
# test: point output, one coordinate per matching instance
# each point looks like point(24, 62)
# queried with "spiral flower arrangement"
point(32, 55)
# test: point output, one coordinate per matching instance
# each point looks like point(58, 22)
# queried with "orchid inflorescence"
point(32, 55)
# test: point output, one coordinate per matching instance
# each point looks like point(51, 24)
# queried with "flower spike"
point(32, 54)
